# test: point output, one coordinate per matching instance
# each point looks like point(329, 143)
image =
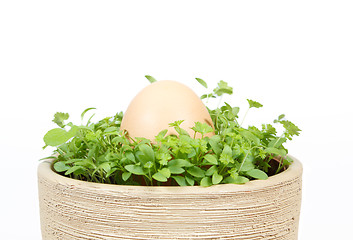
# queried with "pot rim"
point(294, 171)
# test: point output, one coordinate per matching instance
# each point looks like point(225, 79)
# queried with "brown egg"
point(162, 103)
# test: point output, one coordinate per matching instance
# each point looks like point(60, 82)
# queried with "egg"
point(162, 103)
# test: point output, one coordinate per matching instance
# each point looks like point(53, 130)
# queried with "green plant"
point(100, 152)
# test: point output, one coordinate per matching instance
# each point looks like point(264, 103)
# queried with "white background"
point(295, 57)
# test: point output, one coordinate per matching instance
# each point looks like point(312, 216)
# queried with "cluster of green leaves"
point(100, 152)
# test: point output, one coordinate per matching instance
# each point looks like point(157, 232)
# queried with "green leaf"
point(162, 175)
point(277, 142)
point(111, 129)
point(268, 128)
point(85, 111)
point(280, 117)
point(165, 171)
point(145, 154)
point(57, 136)
point(250, 136)
point(202, 82)
point(210, 95)
point(190, 180)
point(180, 163)
point(161, 135)
point(214, 142)
point(202, 128)
point(135, 169)
point(147, 151)
point(257, 173)
point(237, 180)
point(150, 78)
point(206, 182)
point(61, 167)
point(159, 177)
point(126, 175)
point(176, 123)
point(105, 166)
point(163, 156)
point(148, 164)
point(226, 155)
point(203, 96)
point(59, 118)
point(211, 170)
point(235, 111)
point(241, 180)
point(111, 171)
point(211, 158)
point(291, 128)
point(176, 170)
point(254, 104)
point(180, 180)
point(216, 178)
point(223, 88)
point(275, 151)
point(196, 172)
point(248, 164)
point(181, 131)
point(129, 155)
point(73, 169)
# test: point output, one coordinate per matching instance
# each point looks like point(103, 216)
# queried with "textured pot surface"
point(260, 209)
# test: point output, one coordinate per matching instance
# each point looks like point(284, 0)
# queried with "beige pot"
point(262, 209)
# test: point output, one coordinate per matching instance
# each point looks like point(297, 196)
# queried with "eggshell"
point(161, 103)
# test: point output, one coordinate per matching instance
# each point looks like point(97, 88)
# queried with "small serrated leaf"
point(254, 104)
point(223, 88)
point(59, 118)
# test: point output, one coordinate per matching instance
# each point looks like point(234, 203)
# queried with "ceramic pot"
point(260, 209)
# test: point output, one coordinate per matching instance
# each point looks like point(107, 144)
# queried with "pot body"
point(260, 209)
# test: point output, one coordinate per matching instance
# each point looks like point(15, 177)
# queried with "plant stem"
point(218, 110)
point(278, 138)
point(244, 117)
point(220, 100)
point(242, 163)
point(221, 172)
